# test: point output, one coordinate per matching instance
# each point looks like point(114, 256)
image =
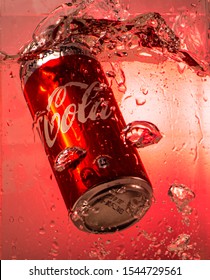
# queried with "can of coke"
point(101, 178)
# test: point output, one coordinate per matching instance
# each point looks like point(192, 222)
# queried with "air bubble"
point(181, 243)
point(141, 134)
point(181, 195)
point(69, 158)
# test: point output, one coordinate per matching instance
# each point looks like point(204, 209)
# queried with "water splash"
point(69, 158)
point(190, 37)
point(108, 30)
point(141, 134)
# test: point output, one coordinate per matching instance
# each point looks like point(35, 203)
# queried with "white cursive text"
point(90, 107)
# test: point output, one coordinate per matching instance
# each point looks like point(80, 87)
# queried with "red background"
point(35, 222)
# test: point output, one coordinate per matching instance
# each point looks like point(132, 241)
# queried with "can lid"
point(112, 206)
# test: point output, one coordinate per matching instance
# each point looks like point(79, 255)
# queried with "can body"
point(102, 180)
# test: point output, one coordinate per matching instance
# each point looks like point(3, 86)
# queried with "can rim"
point(27, 67)
point(81, 207)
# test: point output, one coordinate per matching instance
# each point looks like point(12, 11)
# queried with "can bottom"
point(112, 206)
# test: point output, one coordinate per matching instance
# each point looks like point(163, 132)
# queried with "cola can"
point(101, 178)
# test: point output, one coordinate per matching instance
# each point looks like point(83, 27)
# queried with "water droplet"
point(54, 250)
point(170, 229)
point(95, 210)
point(123, 189)
point(147, 235)
point(75, 216)
point(158, 252)
point(42, 231)
point(205, 98)
point(103, 162)
point(181, 195)
point(11, 219)
point(52, 224)
point(200, 73)
point(110, 74)
point(121, 54)
point(181, 66)
point(81, 211)
point(98, 250)
point(88, 175)
point(39, 116)
point(103, 86)
point(9, 123)
point(81, 227)
point(53, 208)
point(152, 22)
point(122, 87)
point(186, 221)
point(119, 76)
point(140, 101)
point(69, 158)
point(181, 243)
point(11, 75)
point(137, 206)
point(20, 219)
point(141, 134)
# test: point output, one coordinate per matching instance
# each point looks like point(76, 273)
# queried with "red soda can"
point(101, 178)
